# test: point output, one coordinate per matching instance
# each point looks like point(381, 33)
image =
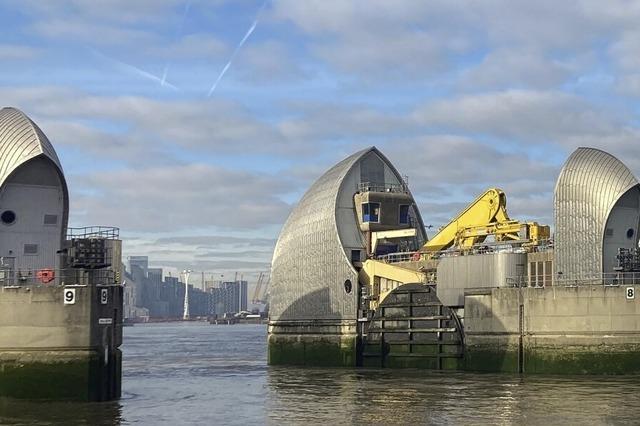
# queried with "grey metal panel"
point(457, 273)
point(311, 260)
point(590, 183)
point(22, 140)
point(308, 260)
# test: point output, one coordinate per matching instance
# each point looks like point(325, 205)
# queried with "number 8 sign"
point(69, 296)
point(631, 293)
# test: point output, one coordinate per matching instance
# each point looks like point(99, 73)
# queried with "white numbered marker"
point(69, 295)
point(104, 296)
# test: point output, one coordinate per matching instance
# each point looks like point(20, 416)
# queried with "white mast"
point(186, 273)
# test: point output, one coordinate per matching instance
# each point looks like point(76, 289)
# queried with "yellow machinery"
point(485, 217)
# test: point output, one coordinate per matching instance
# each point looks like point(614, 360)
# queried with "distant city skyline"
point(152, 293)
point(195, 126)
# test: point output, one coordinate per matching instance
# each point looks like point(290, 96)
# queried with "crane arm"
point(256, 291)
point(489, 207)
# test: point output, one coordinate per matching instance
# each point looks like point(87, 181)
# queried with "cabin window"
point(371, 212)
point(50, 219)
point(8, 217)
point(30, 249)
point(404, 214)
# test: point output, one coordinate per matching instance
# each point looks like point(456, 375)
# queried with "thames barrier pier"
point(60, 295)
point(315, 292)
point(356, 281)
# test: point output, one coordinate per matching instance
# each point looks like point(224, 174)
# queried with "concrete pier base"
point(553, 330)
point(53, 350)
point(73, 375)
point(313, 343)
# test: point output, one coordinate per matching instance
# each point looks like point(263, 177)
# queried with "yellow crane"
point(485, 217)
point(488, 208)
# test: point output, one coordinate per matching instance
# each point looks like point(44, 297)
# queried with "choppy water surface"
point(190, 373)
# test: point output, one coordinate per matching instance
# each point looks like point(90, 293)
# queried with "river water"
point(195, 373)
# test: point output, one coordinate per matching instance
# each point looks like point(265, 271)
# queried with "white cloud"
point(183, 197)
point(523, 116)
point(93, 33)
point(509, 68)
point(268, 62)
point(12, 52)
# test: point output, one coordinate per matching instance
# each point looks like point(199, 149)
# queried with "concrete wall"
point(49, 349)
point(313, 343)
point(564, 330)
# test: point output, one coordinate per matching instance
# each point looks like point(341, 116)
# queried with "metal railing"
point(604, 279)
point(383, 187)
point(53, 277)
point(397, 257)
point(517, 246)
point(105, 232)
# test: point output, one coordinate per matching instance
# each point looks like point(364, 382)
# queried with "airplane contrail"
point(165, 72)
point(235, 52)
point(233, 55)
point(135, 70)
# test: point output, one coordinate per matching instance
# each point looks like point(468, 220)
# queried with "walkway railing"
point(52, 277)
point(605, 279)
point(106, 232)
point(383, 187)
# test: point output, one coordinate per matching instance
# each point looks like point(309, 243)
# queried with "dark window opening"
point(355, 255)
point(371, 212)
point(347, 286)
point(630, 233)
point(50, 219)
point(30, 249)
point(404, 214)
point(8, 217)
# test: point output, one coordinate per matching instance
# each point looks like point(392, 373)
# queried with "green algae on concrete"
point(64, 380)
point(315, 351)
point(490, 359)
point(62, 377)
point(591, 360)
point(570, 360)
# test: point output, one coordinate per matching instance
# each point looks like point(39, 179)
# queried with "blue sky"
point(460, 96)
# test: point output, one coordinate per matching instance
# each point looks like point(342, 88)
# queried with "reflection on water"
point(417, 397)
point(18, 412)
point(191, 373)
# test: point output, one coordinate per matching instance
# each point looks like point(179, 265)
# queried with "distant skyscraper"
point(141, 262)
point(155, 275)
point(243, 295)
point(230, 297)
point(173, 281)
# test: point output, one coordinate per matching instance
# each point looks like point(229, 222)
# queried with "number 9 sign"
point(69, 296)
